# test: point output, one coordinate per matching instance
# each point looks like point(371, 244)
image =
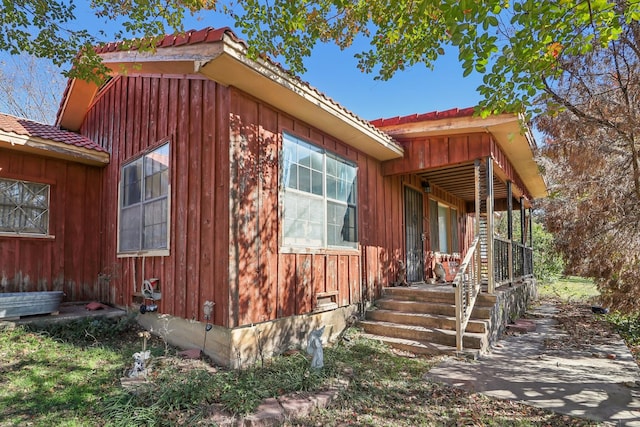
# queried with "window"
point(443, 227)
point(24, 207)
point(319, 197)
point(144, 202)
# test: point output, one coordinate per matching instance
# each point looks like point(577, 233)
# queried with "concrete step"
point(425, 319)
point(443, 309)
point(437, 294)
point(423, 335)
point(412, 346)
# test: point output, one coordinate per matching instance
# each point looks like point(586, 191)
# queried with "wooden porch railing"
point(467, 283)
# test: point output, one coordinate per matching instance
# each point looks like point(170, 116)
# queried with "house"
point(238, 208)
point(49, 209)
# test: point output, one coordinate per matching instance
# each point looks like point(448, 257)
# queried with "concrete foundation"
point(247, 345)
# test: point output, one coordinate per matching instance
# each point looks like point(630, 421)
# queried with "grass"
point(570, 289)
point(69, 375)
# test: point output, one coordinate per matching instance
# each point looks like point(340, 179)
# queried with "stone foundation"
point(512, 303)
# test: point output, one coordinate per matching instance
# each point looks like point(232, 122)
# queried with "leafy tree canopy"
point(515, 44)
point(592, 162)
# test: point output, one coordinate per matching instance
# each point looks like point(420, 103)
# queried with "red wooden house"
point(248, 200)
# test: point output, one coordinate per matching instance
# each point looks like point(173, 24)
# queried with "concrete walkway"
point(587, 383)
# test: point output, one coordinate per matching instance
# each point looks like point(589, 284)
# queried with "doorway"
point(413, 220)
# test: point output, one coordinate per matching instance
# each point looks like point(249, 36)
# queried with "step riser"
point(408, 294)
point(422, 307)
point(425, 321)
point(412, 348)
point(421, 335)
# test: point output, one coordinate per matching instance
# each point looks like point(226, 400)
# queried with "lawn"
point(69, 375)
point(570, 289)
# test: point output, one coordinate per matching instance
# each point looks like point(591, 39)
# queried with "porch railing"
point(522, 260)
point(467, 283)
point(512, 260)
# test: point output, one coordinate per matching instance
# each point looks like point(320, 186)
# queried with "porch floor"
point(68, 311)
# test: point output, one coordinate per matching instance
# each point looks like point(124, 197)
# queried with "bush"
point(547, 262)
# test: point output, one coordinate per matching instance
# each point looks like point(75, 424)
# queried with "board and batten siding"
point(136, 113)
point(225, 219)
point(269, 282)
point(69, 258)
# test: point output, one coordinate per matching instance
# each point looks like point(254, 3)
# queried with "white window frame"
point(147, 201)
point(27, 210)
point(319, 210)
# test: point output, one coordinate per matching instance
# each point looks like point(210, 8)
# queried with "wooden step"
point(423, 335)
point(443, 293)
point(408, 306)
point(425, 319)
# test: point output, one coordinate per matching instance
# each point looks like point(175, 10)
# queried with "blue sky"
point(334, 72)
point(414, 90)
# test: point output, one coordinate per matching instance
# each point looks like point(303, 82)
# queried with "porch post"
point(531, 228)
point(491, 284)
point(523, 235)
point(531, 239)
point(510, 229)
point(478, 263)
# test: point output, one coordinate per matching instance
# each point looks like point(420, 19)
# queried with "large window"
point(319, 200)
point(24, 207)
point(443, 227)
point(144, 203)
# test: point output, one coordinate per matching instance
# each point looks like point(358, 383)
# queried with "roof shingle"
point(433, 115)
point(190, 37)
point(24, 127)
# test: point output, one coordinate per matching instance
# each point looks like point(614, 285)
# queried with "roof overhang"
point(53, 149)
point(227, 63)
point(508, 130)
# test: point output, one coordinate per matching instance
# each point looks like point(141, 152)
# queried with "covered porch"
point(478, 180)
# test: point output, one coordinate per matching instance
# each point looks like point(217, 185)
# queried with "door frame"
point(414, 233)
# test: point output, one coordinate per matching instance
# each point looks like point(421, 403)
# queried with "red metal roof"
point(416, 118)
point(24, 127)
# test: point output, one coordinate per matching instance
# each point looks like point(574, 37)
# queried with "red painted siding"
point(134, 114)
point(70, 260)
point(268, 283)
point(225, 214)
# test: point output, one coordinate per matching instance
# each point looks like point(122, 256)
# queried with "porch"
point(421, 318)
point(468, 222)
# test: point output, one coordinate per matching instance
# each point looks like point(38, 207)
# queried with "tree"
point(516, 45)
point(31, 88)
point(592, 162)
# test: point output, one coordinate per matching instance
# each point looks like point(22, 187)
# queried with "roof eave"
point(273, 85)
point(53, 149)
point(516, 141)
point(227, 63)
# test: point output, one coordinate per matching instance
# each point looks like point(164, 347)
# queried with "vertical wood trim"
point(206, 215)
point(222, 208)
point(194, 208)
